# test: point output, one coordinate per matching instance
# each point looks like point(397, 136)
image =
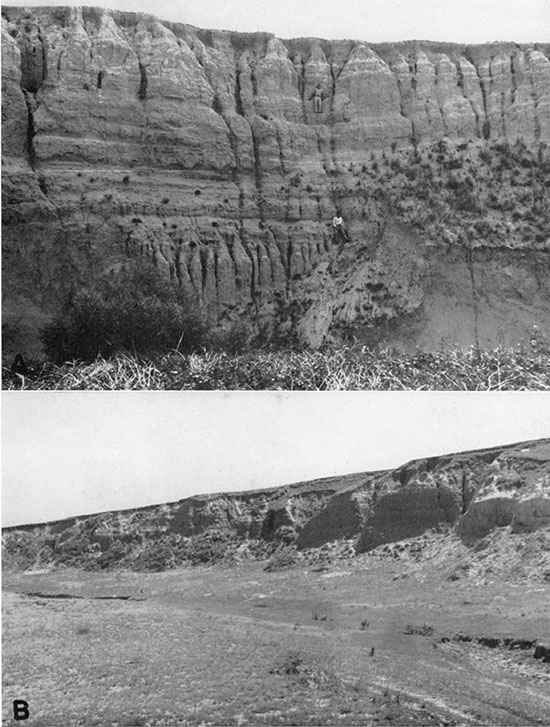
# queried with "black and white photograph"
point(297, 195)
point(275, 407)
point(276, 559)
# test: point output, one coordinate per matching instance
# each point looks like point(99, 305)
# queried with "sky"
point(461, 21)
point(66, 454)
point(75, 453)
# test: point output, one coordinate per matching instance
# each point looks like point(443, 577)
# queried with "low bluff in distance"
point(412, 596)
point(494, 502)
point(127, 138)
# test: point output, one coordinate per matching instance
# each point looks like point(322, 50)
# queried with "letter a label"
point(20, 709)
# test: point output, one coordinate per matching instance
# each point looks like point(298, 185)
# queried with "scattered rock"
point(542, 651)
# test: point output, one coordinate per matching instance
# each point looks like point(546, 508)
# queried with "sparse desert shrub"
point(311, 675)
point(19, 550)
point(419, 629)
point(154, 557)
point(135, 311)
point(77, 552)
point(463, 196)
point(113, 556)
point(131, 720)
point(281, 559)
point(291, 664)
point(232, 340)
point(210, 547)
point(296, 179)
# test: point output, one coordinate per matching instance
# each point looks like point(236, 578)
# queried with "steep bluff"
point(125, 138)
point(470, 494)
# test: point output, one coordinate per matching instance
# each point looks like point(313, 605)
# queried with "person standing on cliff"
point(318, 97)
point(340, 232)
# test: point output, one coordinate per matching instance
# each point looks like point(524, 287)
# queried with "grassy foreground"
point(345, 368)
point(391, 643)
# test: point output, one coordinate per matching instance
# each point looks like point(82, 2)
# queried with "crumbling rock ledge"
point(459, 493)
point(128, 138)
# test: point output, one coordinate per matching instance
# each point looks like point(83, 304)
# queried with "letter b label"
point(20, 709)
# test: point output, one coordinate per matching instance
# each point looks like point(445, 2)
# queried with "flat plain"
point(364, 641)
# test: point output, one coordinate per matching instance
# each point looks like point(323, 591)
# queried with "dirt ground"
point(350, 644)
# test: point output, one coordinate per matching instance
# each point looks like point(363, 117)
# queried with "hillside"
point(127, 138)
point(463, 511)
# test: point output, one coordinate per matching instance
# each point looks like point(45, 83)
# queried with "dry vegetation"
point(373, 642)
point(469, 196)
point(342, 368)
point(473, 193)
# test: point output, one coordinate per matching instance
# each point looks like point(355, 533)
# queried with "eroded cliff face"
point(125, 137)
point(470, 495)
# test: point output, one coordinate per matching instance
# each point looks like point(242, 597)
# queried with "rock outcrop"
point(507, 498)
point(470, 494)
point(126, 138)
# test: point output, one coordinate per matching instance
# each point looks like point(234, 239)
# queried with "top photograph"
point(289, 196)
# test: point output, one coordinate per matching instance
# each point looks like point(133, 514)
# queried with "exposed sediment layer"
point(125, 137)
point(470, 494)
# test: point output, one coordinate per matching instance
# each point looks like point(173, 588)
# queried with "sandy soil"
point(239, 645)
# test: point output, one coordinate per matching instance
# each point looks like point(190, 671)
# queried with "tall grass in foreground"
point(338, 369)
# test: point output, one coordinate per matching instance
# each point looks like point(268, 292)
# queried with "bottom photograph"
point(275, 558)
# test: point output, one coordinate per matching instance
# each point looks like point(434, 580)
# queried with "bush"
point(83, 629)
point(311, 675)
point(19, 550)
point(155, 557)
point(234, 339)
point(135, 311)
point(112, 557)
point(284, 558)
point(293, 663)
point(419, 629)
point(77, 552)
point(210, 547)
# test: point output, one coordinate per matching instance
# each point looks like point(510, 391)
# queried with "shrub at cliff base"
point(77, 552)
point(113, 557)
point(210, 547)
point(155, 556)
point(20, 551)
point(133, 311)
